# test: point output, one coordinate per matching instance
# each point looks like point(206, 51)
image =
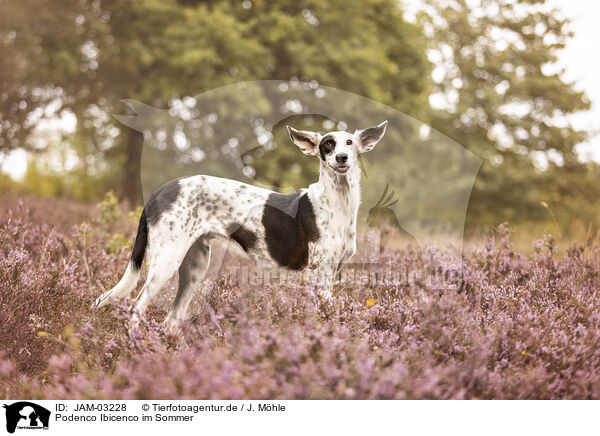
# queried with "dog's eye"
point(328, 146)
point(349, 142)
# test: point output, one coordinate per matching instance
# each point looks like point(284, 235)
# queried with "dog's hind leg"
point(163, 263)
point(191, 272)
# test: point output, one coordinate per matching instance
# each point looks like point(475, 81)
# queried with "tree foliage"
point(87, 55)
point(500, 94)
point(495, 88)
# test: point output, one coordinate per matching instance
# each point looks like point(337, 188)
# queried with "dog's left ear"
point(307, 141)
point(369, 137)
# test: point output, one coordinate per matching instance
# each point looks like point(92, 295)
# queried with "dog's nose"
point(341, 158)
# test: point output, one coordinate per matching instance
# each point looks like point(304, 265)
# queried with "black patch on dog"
point(323, 146)
point(242, 236)
point(290, 224)
point(141, 242)
point(161, 200)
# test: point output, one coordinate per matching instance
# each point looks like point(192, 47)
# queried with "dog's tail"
point(141, 242)
point(132, 274)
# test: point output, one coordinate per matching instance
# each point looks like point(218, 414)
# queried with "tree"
point(84, 56)
point(498, 92)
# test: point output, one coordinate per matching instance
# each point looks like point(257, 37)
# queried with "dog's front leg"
point(326, 280)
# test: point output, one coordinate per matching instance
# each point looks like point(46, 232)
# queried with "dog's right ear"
point(307, 141)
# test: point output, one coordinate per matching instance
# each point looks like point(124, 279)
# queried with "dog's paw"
point(101, 301)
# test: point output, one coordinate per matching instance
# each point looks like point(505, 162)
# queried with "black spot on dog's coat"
point(161, 200)
point(290, 224)
point(326, 138)
point(242, 236)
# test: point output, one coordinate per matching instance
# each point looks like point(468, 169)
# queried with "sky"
point(580, 59)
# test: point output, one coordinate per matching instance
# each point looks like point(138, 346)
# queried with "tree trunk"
point(132, 183)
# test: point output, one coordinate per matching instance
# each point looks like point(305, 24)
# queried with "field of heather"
point(523, 325)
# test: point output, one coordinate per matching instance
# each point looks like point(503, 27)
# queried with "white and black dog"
point(311, 228)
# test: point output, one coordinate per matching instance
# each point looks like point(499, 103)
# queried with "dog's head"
point(338, 150)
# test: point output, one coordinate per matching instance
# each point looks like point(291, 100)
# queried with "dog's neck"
point(337, 193)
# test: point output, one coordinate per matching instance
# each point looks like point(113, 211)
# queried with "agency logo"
point(26, 415)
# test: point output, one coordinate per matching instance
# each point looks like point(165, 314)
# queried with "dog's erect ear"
point(369, 137)
point(307, 141)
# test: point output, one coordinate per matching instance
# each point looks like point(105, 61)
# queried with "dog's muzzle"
point(340, 169)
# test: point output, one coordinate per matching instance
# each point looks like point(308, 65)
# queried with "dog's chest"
point(337, 230)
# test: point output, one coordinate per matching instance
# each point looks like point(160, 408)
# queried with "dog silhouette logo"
point(26, 415)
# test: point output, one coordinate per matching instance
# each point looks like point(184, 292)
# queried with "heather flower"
point(518, 327)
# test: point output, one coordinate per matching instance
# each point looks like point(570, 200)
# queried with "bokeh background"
point(494, 76)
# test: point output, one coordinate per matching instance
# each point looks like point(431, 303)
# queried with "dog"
point(312, 228)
